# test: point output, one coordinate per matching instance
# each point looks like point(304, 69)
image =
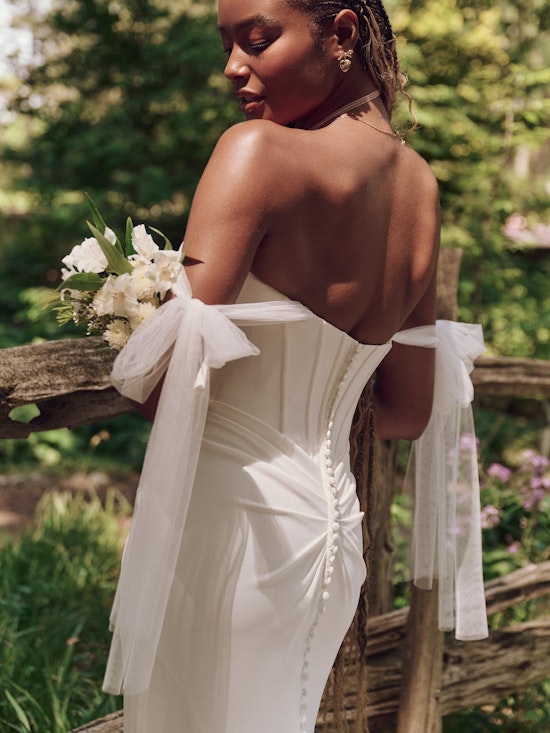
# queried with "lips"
point(249, 102)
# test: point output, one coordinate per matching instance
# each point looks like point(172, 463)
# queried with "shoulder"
point(422, 174)
point(249, 145)
point(249, 162)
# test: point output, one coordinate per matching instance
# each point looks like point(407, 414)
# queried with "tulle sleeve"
point(184, 339)
point(443, 474)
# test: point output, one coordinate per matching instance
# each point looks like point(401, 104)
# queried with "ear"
point(344, 32)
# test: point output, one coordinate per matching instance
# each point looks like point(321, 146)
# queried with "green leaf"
point(184, 250)
point(129, 229)
point(167, 242)
point(116, 261)
point(21, 715)
point(83, 281)
point(96, 216)
point(99, 222)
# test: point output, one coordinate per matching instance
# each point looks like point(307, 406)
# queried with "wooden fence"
point(415, 674)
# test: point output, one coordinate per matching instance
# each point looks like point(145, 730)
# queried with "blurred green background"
point(124, 100)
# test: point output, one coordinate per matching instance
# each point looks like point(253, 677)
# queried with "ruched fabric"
point(243, 565)
point(183, 339)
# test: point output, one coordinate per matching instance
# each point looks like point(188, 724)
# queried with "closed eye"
point(259, 48)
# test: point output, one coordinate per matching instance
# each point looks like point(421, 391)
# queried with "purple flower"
point(540, 484)
point(514, 547)
point(499, 471)
point(468, 442)
point(490, 516)
point(538, 463)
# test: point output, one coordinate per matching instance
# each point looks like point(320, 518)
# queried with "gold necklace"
point(393, 133)
point(341, 111)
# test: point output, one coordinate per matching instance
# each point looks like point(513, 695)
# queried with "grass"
point(57, 583)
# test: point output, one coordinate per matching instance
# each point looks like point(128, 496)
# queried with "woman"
point(316, 231)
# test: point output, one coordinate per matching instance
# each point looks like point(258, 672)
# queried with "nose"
point(236, 67)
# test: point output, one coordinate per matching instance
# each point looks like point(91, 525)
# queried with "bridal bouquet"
point(114, 285)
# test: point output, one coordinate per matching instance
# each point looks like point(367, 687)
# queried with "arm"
point(405, 379)
point(229, 218)
point(231, 211)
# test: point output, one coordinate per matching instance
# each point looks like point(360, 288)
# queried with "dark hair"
point(376, 47)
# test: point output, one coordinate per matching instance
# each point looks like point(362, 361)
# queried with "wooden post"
point(423, 648)
point(422, 666)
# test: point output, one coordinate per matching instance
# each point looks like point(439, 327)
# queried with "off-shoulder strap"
point(443, 474)
point(183, 339)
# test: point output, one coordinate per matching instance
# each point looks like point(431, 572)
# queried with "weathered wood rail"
point(473, 674)
point(415, 675)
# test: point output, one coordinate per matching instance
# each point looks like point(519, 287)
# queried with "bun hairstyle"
point(376, 48)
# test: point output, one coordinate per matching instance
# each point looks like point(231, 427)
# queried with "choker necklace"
point(346, 108)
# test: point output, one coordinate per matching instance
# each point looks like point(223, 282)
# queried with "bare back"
point(343, 219)
point(358, 232)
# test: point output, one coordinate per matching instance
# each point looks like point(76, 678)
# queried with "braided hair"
point(376, 48)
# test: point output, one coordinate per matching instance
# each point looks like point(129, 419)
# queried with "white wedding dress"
point(243, 567)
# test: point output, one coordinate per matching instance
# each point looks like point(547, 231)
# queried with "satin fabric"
point(244, 562)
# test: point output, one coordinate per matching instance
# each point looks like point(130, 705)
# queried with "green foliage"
point(480, 82)
point(117, 445)
point(516, 514)
point(516, 521)
point(128, 103)
point(57, 587)
point(130, 100)
point(516, 532)
point(126, 107)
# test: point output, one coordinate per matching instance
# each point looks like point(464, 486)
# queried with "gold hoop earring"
point(344, 59)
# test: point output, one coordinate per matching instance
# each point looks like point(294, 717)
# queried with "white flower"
point(142, 313)
point(109, 235)
point(117, 333)
point(75, 298)
point(166, 266)
point(87, 256)
point(117, 297)
point(143, 243)
point(144, 281)
point(124, 301)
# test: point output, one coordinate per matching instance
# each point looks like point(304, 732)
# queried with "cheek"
point(299, 74)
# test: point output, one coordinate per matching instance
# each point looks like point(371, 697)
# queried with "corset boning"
point(307, 374)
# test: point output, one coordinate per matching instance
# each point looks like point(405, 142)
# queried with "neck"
point(355, 104)
point(334, 104)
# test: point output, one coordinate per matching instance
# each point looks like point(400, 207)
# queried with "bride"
point(312, 249)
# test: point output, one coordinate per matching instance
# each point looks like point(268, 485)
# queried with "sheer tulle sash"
point(444, 481)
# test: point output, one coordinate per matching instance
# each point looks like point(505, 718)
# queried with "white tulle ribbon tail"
point(443, 473)
point(184, 339)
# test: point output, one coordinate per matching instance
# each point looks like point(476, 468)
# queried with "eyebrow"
point(257, 19)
